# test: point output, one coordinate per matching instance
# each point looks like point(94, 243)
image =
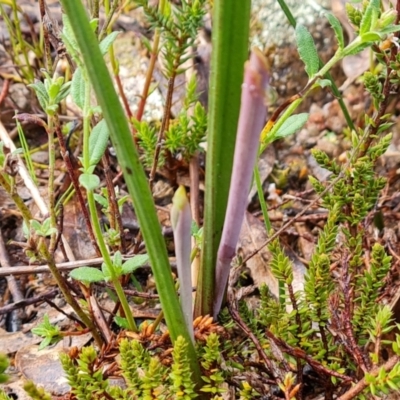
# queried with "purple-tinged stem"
point(181, 220)
point(253, 111)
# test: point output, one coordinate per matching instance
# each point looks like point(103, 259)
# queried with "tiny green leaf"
point(106, 43)
point(324, 83)
point(370, 37)
point(63, 92)
point(89, 181)
point(78, 88)
point(94, 23)
point(41, 93)
point(106, 271)
point(36, 226)
point(307, 50)
point(358, 49)
point(121, 322)
point(101, 200)
point(389, 29)
point(134, 263)
point(68, 33)
point(290, 126)
point(370, 16)
point(337, 27)
point(117, 259)
point(87, 274)
point(98, 142)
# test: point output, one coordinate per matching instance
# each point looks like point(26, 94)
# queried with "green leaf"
point(78, 88)
point(134, 263)
point(67, 32)
point(41, 93)
point(45, 342)
point(369, 17)
point(63, 92)
point(290, 126)
point(36, 226)
point(94, 23)
point(121, 322)
point(106, 271)
point(370, 37)
point(135, 177)
point(358, 49)
point(117, 259)
point(337, 27)
point(87, 274)
point(101, 200)
point(307, 50)
point(89, 181)
point(324, 83)
point(389, 29)
point(106, 43)
point(98, 142)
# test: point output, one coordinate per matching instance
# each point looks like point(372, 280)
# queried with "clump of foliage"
point(147, 373)
point(334, 328)
point(183, 135)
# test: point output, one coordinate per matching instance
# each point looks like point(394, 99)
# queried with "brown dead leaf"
point(252, 236)
point(75, 232)
point(43, 367)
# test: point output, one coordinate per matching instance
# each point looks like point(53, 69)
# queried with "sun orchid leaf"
point(307, 50)
point(87, 274)
point(134, 263)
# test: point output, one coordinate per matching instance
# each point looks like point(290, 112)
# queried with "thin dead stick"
point(62, 267)
point(26, 302)
point(38, 269)
point(29, 184)
point(11, 281)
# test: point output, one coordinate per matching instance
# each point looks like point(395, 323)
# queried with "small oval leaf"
point(307, 50)
point(89, 181)
point(370, 17)
point(41, 93)
point(98, 141)
point(337, 28)
point(370, 37)
point(134, 263)
point(87, 274)
point(106, 43)
point(78, 88)
point(290, 126)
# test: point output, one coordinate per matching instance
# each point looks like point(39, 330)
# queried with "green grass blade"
point(230, 50)
point(133, 172)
